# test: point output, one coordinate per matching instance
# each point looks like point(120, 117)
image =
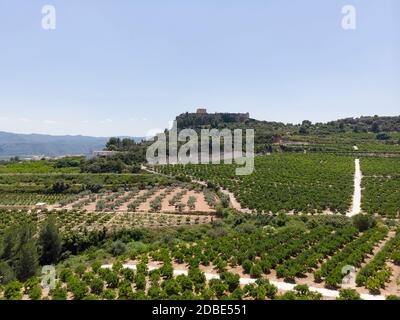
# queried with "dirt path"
point(356, 205)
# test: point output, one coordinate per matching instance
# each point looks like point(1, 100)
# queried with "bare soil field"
point(89, 202)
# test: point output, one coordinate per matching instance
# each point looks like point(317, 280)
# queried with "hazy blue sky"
point(124, 67)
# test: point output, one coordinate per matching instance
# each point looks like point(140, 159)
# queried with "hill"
point(378, 133)
point(374, 124)
point(25, 145)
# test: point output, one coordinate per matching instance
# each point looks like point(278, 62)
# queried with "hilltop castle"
point(241, 117)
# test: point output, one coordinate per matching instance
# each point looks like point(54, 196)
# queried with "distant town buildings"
point(104, 153)
point(40, 205)
point(44, 157)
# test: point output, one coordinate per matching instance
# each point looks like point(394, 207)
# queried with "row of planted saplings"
point(134, 205)
point(179, 205)
point(76, 199)
point(113, 201)
point(157, 220)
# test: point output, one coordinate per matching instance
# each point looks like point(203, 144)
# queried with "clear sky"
point(123, 67)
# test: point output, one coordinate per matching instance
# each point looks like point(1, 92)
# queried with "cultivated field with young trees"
point(113, 229)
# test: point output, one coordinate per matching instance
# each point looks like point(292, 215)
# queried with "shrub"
point(96, 286)
point(35, 292)
point(363, 222)
point(6, 273)
point(58, 293)
point(12, 291)
point(348, 294)
point(118, 248)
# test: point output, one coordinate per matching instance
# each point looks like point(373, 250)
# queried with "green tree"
point(171, 287)
point(108, 294)
point(27, 262)
point(256, 271)
point(128, 274)
point(125, 291)
point(6, 273)
point(383, 136)
point(348, 294)
point(237, 294)
point(396, 258)
point(35, 292)
point(154, 292)
point(65, 274)
point(232, 280)
point(218, 287)
point(363, 222)
point(10, 242)
point(78, 288)
point(49, 242)
point(140, 281)
point(96, 286)
point(270, 290)
point(118, 248)
point(59, 187)
point(112, 279)
point(375, 127)
point(12, 291)
point(58, 293)
point(185, 283)
point(260, 293)
point(373, 285)
point(80, 269)
point(96, 265)
point(247, 265)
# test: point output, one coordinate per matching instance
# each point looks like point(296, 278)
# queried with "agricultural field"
point(152, 236)
point(252, 258)
point(76, 182)
point(41, 166)
point(356, 149)
point(176, 198)
point(307, 183)
point(381, 186)
point(344, 143)
point(28, 199)
point(151, 207)
point(81, 222)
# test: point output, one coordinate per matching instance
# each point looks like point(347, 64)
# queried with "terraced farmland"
point(381, 186)
point(28, 199)
point(178, 198)
point(311, 183)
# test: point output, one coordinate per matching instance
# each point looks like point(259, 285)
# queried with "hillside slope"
point(12, 144)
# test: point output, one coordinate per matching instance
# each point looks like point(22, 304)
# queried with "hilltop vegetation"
point(373, 124)
point(127, 158)
point(64, 165)
point(374, 134)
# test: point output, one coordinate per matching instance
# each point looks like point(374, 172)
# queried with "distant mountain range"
point(27, 145)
